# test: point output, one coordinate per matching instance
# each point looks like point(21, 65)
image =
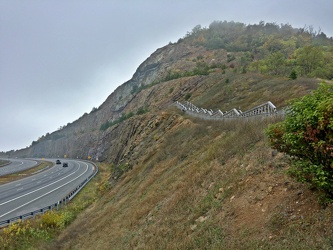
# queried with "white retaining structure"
point(265, 109)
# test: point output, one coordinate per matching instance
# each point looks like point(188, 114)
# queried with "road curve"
point(17, 165)
point(42, 189)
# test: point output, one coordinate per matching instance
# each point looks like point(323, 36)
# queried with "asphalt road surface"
point(42, 189)
point(17, 165)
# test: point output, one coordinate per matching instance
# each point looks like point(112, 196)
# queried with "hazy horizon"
point(61, 59)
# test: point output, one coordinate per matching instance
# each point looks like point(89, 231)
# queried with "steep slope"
point(82, 137)
point(177, 182)
point(193, 184)
point(151, 90)
point(199, 184)
point(217, 67)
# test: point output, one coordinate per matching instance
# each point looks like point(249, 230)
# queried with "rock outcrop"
point(83, 138)
point(151, 91)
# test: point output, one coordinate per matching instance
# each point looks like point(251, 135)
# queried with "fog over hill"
point(59, 61)
point(169, 180)
point(226, 53)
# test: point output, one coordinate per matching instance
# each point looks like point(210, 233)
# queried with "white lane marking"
point(33, 179)
point(19, 189)
point(13, 170)
point(18, 185)
point(36, 189)
point(45, 193)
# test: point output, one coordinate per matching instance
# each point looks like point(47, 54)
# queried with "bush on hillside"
point(306, 134)
point(108, 124)
point(268, 48)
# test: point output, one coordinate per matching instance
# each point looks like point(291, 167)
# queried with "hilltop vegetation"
point(175, 182)
point(270, 48)
point(224, 50)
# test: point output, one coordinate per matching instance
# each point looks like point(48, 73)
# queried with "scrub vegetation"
point(307, 135)
point(179, 182)
point(207, 184)
point(270, 48)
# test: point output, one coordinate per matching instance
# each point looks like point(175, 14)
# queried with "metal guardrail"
point(265, 109)
point(55, 205)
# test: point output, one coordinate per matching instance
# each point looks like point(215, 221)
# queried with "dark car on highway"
point(65, 164)
point(58, 162)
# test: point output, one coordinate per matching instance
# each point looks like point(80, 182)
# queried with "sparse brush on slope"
point(177, 182)
point(204, 185)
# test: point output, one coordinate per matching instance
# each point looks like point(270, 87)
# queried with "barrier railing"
point(55, 205)
point(264, 109)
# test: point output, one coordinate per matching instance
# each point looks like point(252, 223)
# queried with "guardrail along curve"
point(55, 205)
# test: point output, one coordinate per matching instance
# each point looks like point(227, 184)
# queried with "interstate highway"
point(42, 189)
point(17, 165)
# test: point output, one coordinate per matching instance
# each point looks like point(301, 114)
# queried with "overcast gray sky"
point(59, 58)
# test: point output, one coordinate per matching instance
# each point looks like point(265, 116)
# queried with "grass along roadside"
point(4, 163)
point(39, 233)
point(43, 165)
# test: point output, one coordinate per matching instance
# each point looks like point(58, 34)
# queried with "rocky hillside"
point(84, 138)
point(178, 182)
point(214, 79)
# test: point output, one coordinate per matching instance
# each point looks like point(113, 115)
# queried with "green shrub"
point(105, 126)
point(307, 135)
point(293, 75)
point(56, 220)
point(108, 124)
point(201, 68)
point(142, 110)
point(120, 169)
point(188, 96)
